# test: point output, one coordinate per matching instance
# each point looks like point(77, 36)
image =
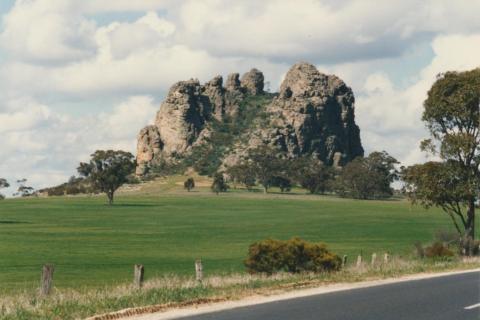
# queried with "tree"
point(438, 184)
point(3, 184)
point(24, 190)
point(368, 178)
point(283, 183)
point(265, 163)
point(219, 184)
point(241, 173)
point(108, 170)
point(452, 115)
point(312, 174)
point(189, 184)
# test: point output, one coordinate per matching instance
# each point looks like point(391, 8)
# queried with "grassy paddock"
point(165, 228)
point(175, 291)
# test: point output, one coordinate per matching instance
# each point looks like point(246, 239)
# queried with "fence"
point(139, 271)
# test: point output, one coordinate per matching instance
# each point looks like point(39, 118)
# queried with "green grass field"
point(93, 244)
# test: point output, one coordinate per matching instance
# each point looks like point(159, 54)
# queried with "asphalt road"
point(444, 298)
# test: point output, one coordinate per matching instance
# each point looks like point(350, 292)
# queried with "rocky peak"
point(313, 114)
point(252, 82)
point(317, 112)
point(233, 82)
point(303, 80)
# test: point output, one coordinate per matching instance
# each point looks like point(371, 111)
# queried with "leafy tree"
point(438, 184)
point(368, 178)
point(3, 184)
point(189, 184)
point(242, 173)
point(312, 174)
point(285, 184)
point(452, 115)
point(24, 190)
point(265, 163)
point(108, 170)
point(219, 184)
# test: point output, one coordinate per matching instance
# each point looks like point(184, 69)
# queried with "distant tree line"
point(363, 178)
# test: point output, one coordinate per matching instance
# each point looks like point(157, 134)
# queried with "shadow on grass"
point(13, 222)
point(132, 205)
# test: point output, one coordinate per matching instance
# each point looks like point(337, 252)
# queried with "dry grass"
point(175, 291)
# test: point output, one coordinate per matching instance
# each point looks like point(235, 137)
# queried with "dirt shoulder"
point(173, 311)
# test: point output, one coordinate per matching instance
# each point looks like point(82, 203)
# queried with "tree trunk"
point(110, 197)
point(265, 190)
point(470, 227)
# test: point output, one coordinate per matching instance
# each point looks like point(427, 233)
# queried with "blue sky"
point(79, 75)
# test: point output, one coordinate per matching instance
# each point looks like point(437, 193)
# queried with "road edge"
point(168, 312)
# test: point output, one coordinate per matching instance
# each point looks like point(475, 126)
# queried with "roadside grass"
point(165, 228)
point(173, 291)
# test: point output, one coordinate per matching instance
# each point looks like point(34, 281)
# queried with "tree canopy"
point(312, 174)
point(219, 184)
point(108, 170)
point(368, 178)
point(267, 165)
point(3, 184)
point(189, 184)
point(451, 114)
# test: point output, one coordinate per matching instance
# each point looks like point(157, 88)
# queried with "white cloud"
point(23, 114)
point(55, 49)
point(46, 147)
point(390, 117)
point(96, 6)
point(319, 30)
point(47, 31)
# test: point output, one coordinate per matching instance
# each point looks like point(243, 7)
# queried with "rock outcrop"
point(313, 114)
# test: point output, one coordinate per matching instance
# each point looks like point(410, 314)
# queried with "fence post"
point(374, 259)
point(47, 279)
point(199, 270)
point(359, 261)
point(386, 258)
point(138, 275)
point(344, 261)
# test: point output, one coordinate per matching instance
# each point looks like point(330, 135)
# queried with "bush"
point(219, 184)
point(295, 255)
point(189, 184)
point(438, 250)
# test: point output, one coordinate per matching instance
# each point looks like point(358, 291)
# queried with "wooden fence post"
point(374, 259)
point(138, 275)
point(386, 258)
point(359, 261)
point(344, 261)
point(199, 270)
point(47, 279)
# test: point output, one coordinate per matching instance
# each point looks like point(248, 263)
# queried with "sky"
point(82, 75)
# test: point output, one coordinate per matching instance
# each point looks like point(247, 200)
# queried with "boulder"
point(252, 82)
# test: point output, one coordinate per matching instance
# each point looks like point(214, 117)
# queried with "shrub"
point(189, 184)
point(438, 250)
point(295, 255)
point(219, 184)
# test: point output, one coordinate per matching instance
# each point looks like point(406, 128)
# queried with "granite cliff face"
point(313, 114)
